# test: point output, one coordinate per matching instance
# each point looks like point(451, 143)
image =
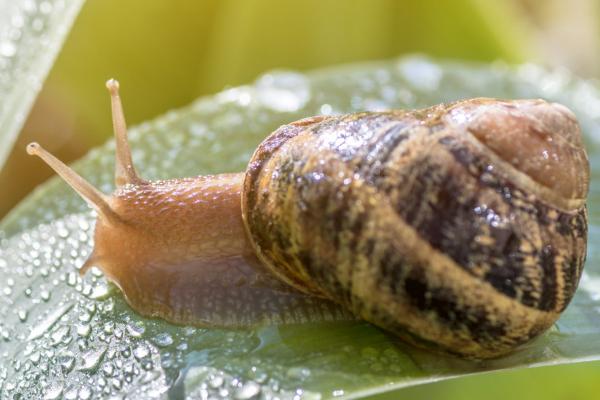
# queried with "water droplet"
point(70, 393)
point(298, 373)
point(591, 285)
point(45, 295)
point(62, 232)
point(8, 49)
point(100, 292)
point(283, 91)
point(216, 381)
point(39, 329)
point(71, 279)
point(147, 364)
point(260, 376)
point(91, 359)
point(421, 73)
point(126, 351)
point(83, 330)
point(85, 393)
point(189, 331)
point(130, 370)
point(53, 391)
point(84, 316)
point(141, 351)
point(58, 335)
point(116, 382)
point(109, 327)
point(182, 346)
point(108, 369)
point(249, 390)
point(66, 362)
point(35, 357)
point(136, 330)
point(163, 339)
point(326, 109)
point(22, 314)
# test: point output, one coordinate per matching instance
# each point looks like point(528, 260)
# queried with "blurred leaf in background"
point(31, 34)
point(168, 52)
point(570, 382)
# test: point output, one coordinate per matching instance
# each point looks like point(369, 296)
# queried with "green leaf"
point(63, 335)
point(31, 34)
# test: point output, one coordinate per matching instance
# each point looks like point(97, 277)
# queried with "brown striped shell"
point(461, 226)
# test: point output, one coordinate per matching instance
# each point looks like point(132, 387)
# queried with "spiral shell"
point(460, 227)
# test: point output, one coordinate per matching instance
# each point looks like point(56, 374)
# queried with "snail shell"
point(460, 227)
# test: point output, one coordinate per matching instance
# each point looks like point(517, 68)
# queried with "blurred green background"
point(549, 383)
point(166, 53)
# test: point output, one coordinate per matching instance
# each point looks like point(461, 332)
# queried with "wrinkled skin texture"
point(180, 252)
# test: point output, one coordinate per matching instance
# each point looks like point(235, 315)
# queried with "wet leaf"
point(31, 34)
point(61, 335)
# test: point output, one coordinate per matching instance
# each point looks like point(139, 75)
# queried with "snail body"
point(461, 227)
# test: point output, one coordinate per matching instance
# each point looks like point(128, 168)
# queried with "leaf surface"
point(31, 34)
point(62, 335)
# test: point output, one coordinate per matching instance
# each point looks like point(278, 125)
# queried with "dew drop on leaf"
point(53, 391)
point(90, 359)
point(163, 339)
point(141, 351)
point(249, 390)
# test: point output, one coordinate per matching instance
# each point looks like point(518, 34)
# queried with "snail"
point(460, 227)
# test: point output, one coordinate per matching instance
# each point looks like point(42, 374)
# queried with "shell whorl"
point(420, 223)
